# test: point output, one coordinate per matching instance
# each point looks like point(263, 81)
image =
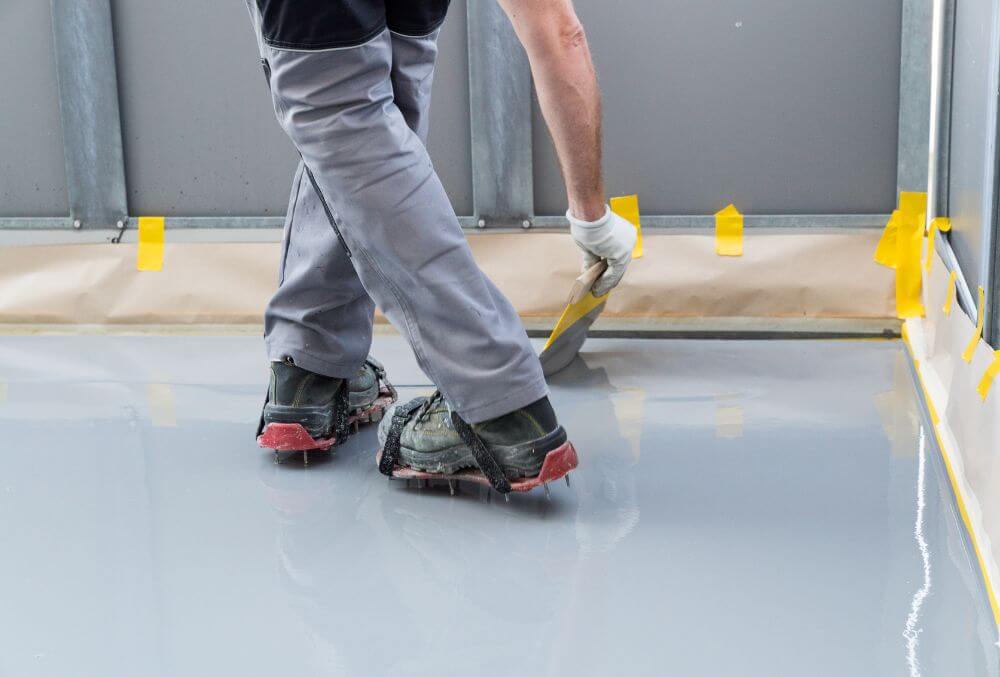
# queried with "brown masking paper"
point(781, 275)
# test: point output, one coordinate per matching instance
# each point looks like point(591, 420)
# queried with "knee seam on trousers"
point(291, 225)
point(415, 341)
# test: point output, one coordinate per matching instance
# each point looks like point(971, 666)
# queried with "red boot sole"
point(557, 464)
point(291, 437)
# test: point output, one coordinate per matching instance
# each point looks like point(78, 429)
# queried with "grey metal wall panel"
point(973, 134)
point(32, 168)
point(200, 135)
point(783, 107)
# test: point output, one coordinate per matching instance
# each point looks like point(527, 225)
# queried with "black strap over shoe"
point(484, 458)
point(390, 452)
point(341, 414)
point(381, 376)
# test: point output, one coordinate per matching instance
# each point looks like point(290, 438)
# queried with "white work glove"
point(610, 238)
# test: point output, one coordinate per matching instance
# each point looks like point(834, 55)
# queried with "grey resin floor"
point(742, 508)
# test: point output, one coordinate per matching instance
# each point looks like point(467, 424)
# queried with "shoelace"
point(425, 408)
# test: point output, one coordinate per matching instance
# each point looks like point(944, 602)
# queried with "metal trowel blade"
point(570, 332)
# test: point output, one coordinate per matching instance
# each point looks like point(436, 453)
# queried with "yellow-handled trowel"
point(582, 309)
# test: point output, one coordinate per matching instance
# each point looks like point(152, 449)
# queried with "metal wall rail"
point(942, 52)
point(991, 236)
point(782, 221)
point(966, 299)
point(991, 241)
point(649, 221)
point(991, 324)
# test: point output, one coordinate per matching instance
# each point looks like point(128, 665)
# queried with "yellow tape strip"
point(950, 293)
point(959, 497)
point(629, 405)
point(913, 205)
point(162, 410)
point(729, 232)
point(885, 253)
point(150, 254)
point(909, 253)
point(728, 421)
point(987, 381)
point(627, 207)
point(573, 313)
point(939, 224)
point(970, 349)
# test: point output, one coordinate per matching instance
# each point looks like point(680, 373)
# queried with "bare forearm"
point(568, 94)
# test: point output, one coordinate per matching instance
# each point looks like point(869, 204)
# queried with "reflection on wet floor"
point(741, 508)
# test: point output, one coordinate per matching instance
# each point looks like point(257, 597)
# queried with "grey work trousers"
point(358, 117)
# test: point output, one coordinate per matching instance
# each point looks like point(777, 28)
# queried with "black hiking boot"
point(306, 411)
point(369, 393)
point(424, 439)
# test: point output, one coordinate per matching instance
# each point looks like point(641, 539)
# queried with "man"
point(370, 224)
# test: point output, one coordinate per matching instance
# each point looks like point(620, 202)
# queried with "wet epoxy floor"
point(742, 508)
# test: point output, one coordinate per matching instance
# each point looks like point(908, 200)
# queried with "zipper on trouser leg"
point(312, 179)
point(326, 208)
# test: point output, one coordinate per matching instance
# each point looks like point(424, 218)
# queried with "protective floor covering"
point(742, 508)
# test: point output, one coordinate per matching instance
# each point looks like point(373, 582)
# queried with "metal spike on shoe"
point(547, 494)
point(506, 498)
point(305, 457)
point(566, 477)
point(451, 487)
